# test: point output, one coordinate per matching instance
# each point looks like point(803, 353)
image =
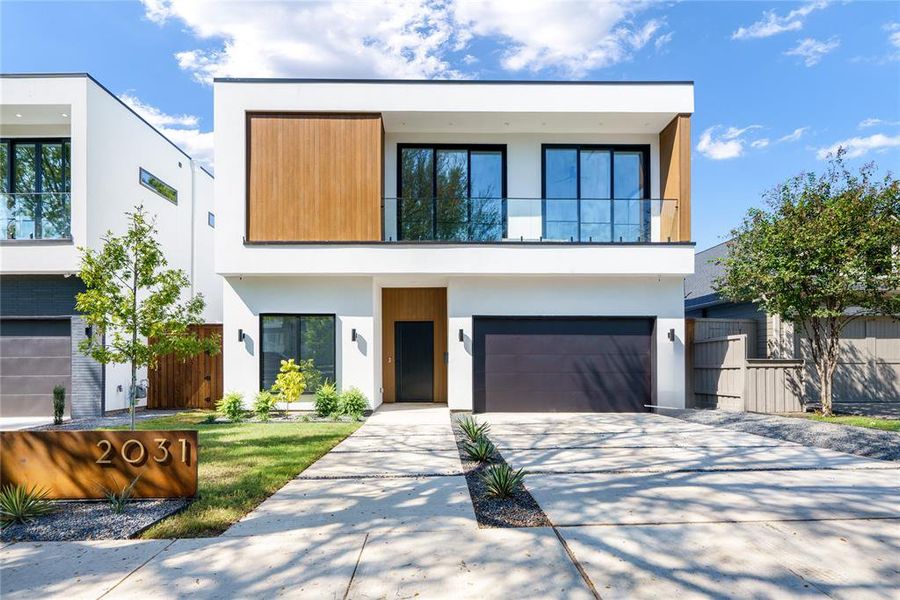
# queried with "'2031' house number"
point(135, 452)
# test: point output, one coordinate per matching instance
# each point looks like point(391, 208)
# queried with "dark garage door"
point(562, 364)
point(35, 356)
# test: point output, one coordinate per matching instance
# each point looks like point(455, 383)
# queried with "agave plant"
point(19, 504)
point(118, 501)
point(501, 481)
point(481, 449)
point(472, 428)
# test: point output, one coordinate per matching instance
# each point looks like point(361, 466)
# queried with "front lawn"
point(857, 421)
point(240, 465)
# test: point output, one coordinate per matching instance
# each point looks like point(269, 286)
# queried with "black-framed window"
point(211, 219)
point(451, 191)
point(596, 193)
point(297, 336)
point(155, 184)
point(35, 179)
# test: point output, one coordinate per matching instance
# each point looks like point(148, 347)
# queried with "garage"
point(562, 364)
point(35, 357)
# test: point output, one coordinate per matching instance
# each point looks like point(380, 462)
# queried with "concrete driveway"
point(653, 507)
point(642, 506)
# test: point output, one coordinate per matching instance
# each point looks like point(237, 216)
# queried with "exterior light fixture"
point(89, 331)
point(19, 115)
point(353, 335)
point(461, 335)
point(65, 115)
point(671, 335)
point(240, 335)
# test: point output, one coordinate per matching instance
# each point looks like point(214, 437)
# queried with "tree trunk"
point(826, 377)
point(134, 327)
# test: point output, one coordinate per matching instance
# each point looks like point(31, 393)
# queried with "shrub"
point(327, 400)
point(119, 501)
point(472, 428)
point(59, 404)
point(263, 404)
point(501, 481)
point(312, 377)
point(231, 406)
point(290, 383)
point(353, 403)
point(19, 504)
point(481, 449)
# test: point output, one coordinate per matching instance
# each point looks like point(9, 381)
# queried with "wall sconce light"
point(461, 335)
point(353, 335)
point(671, 335)
point(89, 331)
point(240, 335)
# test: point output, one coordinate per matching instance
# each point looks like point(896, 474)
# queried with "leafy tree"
point(290, 382)
point(133, 302)
point(824, 253)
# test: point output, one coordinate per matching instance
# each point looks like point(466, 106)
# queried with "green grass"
point(868, 422)
point(240, 465)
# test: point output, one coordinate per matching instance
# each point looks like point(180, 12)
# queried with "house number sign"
point(87, 464)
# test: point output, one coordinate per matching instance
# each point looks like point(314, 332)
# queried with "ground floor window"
point(301, 337)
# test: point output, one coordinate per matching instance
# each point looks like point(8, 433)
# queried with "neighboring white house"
point(74, 160)
point(492, 245)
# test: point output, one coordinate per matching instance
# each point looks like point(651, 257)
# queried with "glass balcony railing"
point(582, 220)
point(36, 216)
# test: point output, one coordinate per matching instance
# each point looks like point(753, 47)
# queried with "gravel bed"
point(519, 510)
point(116, 420)
point(871, 443)
point(92, 521)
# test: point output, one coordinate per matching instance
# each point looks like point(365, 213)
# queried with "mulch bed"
point(92, 521)
point(519, 510)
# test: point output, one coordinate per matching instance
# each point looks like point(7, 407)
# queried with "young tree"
point(133, 302)
point(825, 252)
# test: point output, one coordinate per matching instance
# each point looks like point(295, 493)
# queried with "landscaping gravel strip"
point(92, 521)
point(116, 420)
point(871, 443)
point(519, 510)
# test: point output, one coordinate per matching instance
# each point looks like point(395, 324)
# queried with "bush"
point(501, 481)
point(19, 504)
point(59, 404)
point(472, 429)
point(231, 406)
point(119, 501)
point(290, 383)
point(312, 377)
point(263, 404)
point(327, 400)
point(353, 403)
point(481, 449)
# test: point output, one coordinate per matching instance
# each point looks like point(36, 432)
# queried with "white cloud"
point(858, 146)
point(182, 129)
point(760, 143)
point(793, 136)
point(663, 40)
point(893, 30)
point(812, 51)
point(871, 122)
point(728, 144)
point(773, 24)
point(402, 38)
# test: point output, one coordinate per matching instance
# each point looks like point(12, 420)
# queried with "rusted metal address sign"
point(86, 464)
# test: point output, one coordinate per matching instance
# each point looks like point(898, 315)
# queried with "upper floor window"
point(211, 219)
point(152, 182)
point(594, 193)
point(35, 183)
point(451, 192)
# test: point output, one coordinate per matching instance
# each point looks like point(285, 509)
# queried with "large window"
point(35, 182)
point(301, 337)
point(596, 193)
point(451, 192)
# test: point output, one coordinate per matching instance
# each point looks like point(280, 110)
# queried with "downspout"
point(193, 219)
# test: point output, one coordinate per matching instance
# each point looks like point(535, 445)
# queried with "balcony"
point(558, 220)
point(36, 216)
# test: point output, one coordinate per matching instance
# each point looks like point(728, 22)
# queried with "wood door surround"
point(314, 177)
point(675, 178)
point(413, 304)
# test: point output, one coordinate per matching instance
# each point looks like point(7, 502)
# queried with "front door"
point(414, 341)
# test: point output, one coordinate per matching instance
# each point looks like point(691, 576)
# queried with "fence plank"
point(192, 383)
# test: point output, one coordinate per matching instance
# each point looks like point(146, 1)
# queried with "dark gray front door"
point(35, 357)
point(415, 360)
point(562, 364)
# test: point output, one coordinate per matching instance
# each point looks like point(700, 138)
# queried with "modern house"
point(497, 246)
point(869, 365)
point(73, 160)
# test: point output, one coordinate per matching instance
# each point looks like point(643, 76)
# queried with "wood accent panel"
point(675, 178)
point(80, 464)
point(414, 304)
point(194, 382)
point(314, 177)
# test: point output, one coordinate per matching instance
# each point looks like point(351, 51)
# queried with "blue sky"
point(777, 84)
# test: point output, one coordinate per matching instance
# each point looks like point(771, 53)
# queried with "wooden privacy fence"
point(195, 382)
point(721, 376)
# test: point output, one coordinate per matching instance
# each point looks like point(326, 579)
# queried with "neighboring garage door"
point(35, 356)
point(562, 364)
